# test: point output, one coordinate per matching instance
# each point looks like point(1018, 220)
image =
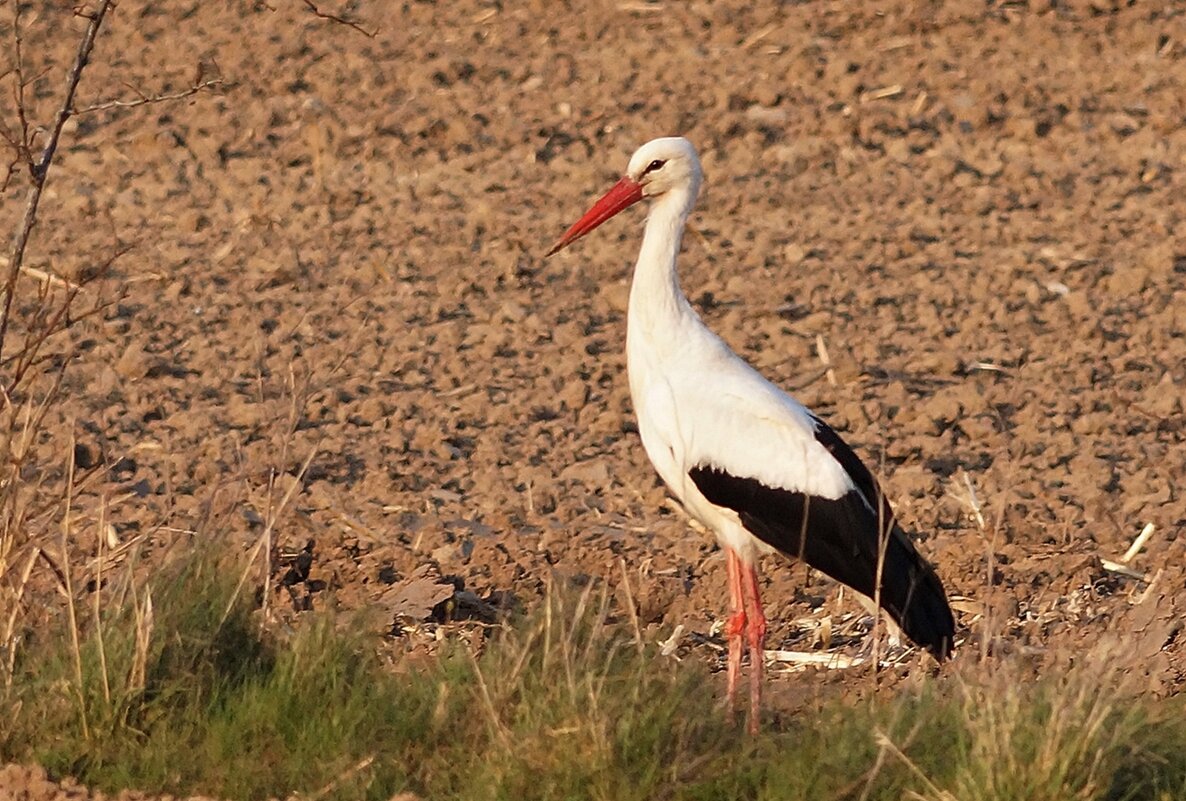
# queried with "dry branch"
point(45, 276)
point(40, 169)
point(349, 23)
point(200, 86)
point(21, 145)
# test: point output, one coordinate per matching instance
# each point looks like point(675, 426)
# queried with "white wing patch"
point(741, 423)
point(768, 437)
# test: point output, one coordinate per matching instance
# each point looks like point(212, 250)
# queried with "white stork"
point(747, 460)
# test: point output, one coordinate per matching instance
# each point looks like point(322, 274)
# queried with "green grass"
point(560, 705)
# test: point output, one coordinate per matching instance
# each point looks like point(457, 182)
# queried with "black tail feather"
point(914, 597)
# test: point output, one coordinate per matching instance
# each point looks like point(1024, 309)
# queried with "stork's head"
point(664, 164)
point(661, 165)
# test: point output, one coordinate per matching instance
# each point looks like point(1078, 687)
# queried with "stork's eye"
point(657, 164)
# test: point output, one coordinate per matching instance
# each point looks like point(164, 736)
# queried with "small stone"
point(1123, 124)
point(1164, 398)
point(133, 364)
point(794, 253)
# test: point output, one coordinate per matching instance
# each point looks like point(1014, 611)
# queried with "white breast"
point(699, 404)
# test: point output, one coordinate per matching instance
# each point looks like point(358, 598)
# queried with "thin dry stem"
point(266, 536)
point(870, 775)
point(295, 407)
point(821, 350)
point(75, 640)
point(10, 640)
point(200, 86)
point(22, 145)
point(349, 23)
point(566, 643)
point(101, 541)
point(496, 723)
point(137, 675)
point(638, 641)
point(884, 741)
point(991, 558)
point(549, 594)
point(884, 531)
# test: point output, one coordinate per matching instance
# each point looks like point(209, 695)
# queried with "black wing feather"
point(841, 537)
point(852, 464)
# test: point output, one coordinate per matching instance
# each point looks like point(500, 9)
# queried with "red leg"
point(734, 627)
point(757, 642)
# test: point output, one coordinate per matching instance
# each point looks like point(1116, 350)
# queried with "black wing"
point(842, 537)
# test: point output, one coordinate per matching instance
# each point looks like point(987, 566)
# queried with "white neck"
point(656, 300)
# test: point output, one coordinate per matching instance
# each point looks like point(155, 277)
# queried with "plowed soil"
point(954, 231)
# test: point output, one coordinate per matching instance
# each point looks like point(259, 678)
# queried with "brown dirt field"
point(979, 211)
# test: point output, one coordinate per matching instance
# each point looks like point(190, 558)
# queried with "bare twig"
point(44, 276)
point(22, 145)
point(56, 321)
point(144, 100)
point(39, 171)
point(317, 12)
point(11, 167)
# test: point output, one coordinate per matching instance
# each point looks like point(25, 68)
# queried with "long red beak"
point(623, 194)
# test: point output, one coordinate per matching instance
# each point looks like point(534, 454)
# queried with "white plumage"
point(744, 458)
